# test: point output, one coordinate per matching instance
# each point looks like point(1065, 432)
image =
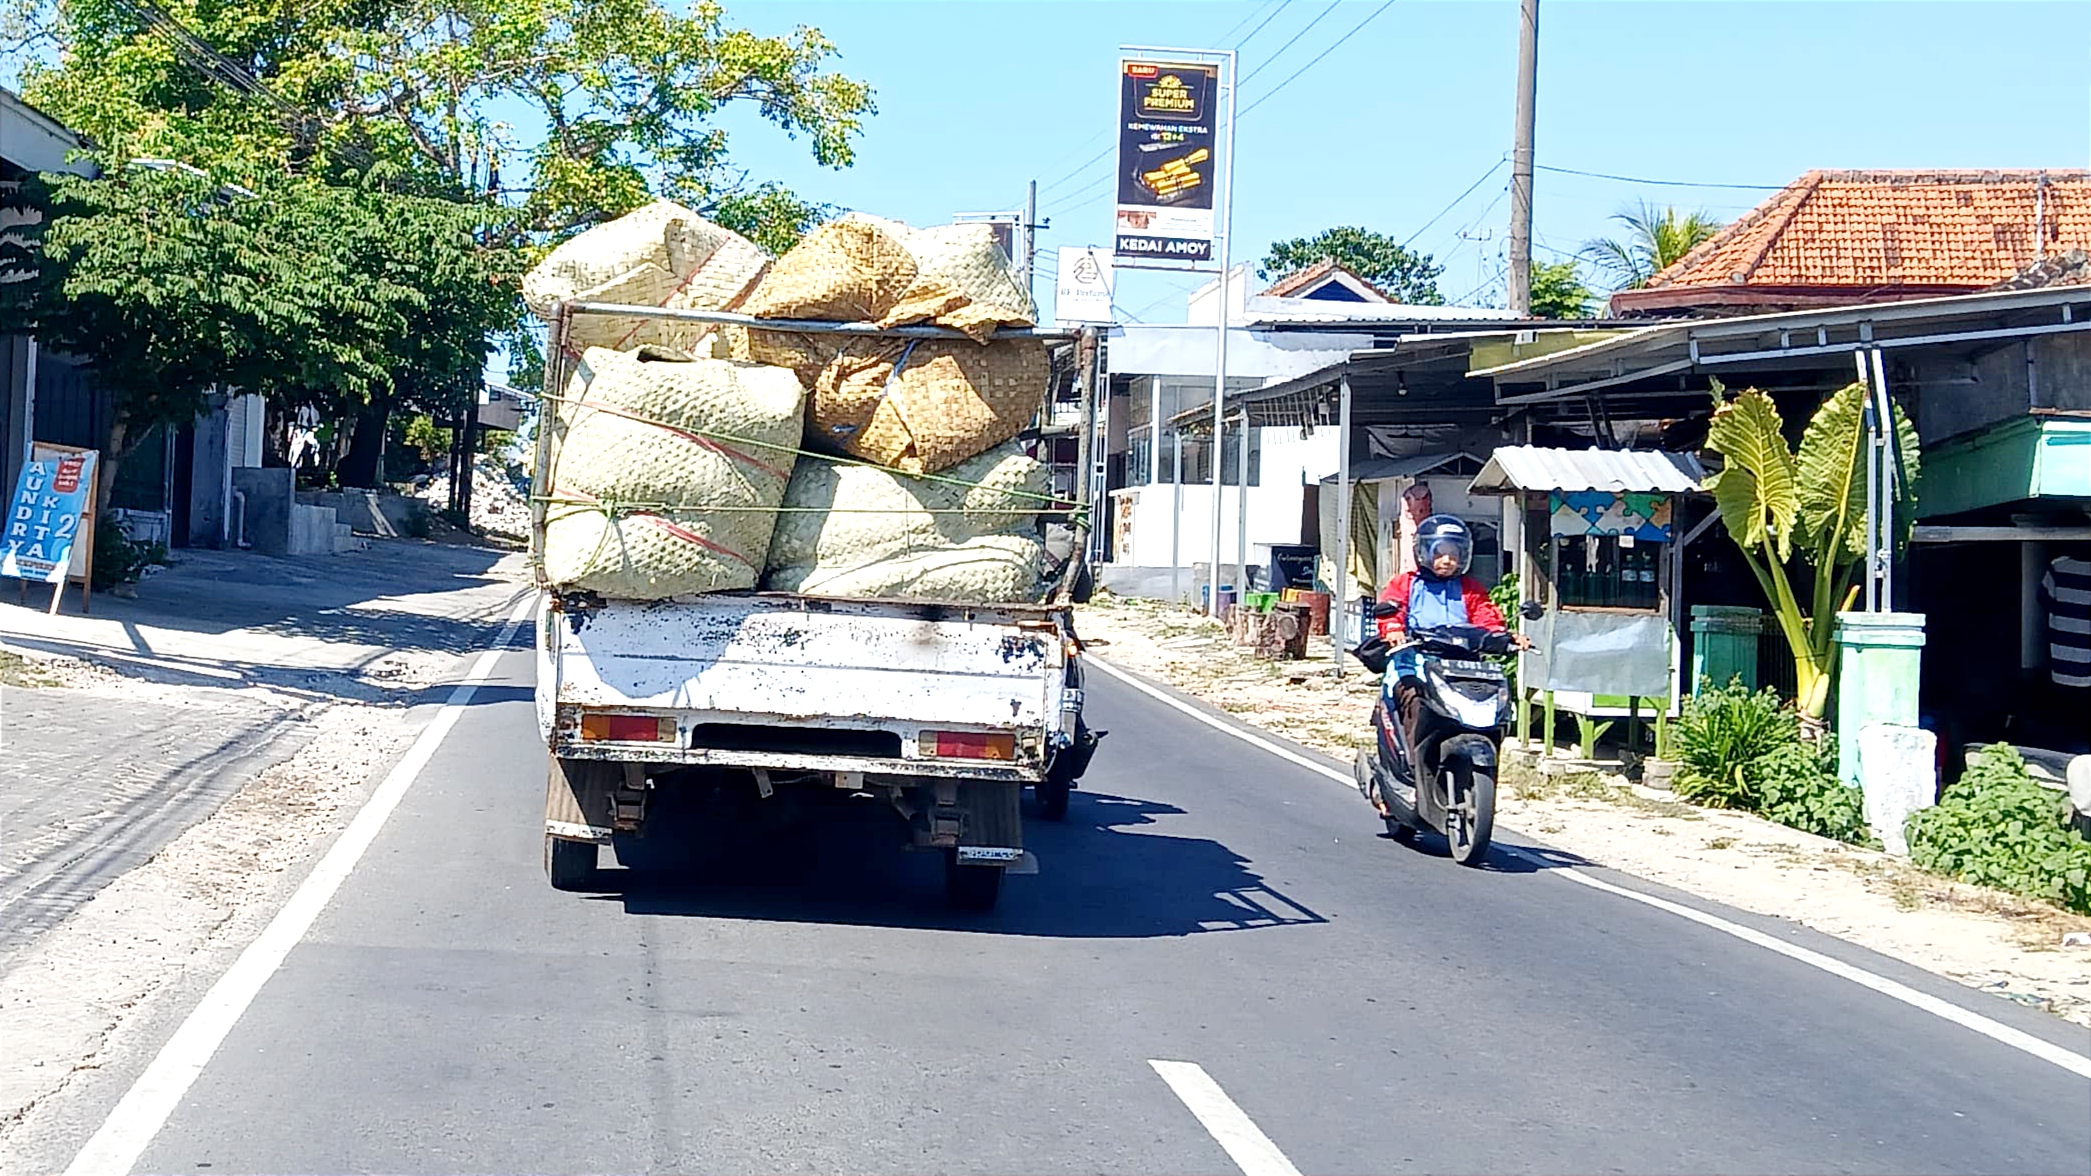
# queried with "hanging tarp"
point(1600, 653)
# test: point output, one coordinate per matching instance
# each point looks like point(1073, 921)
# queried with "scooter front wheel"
point(1470, 814)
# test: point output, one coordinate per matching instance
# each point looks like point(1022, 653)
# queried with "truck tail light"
point(968, 745)
point(607, 728)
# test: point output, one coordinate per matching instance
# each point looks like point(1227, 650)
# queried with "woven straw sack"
point(667, 472)
point(659, 255)
point(846, 271)
point(962, 281)
point(866, 269)
point(919, 406)
point(852, 530)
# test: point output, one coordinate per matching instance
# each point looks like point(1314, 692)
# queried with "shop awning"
point(2044, 454)
point(1515, 468)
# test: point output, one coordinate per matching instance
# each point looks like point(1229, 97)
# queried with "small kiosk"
point(1598, 539)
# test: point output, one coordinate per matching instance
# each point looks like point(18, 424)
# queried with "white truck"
point(942, 713)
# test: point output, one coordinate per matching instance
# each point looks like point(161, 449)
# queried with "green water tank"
point(1879, 663)
point(1724, 644)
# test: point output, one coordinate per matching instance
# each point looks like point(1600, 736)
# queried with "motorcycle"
point(1465, 710)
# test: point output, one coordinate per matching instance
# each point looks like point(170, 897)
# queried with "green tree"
point(171, 285)
point(628, 96)
point(1777, 503)
point(1400, 274)
point(1558, 292)
point(1655, 239)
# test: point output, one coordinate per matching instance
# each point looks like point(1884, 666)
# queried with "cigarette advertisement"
point(1166, 150)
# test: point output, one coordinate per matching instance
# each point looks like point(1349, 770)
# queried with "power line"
point(1569, 171)
point(1289, 44)
point(1259, 28)
point(1077, 150)
point(1317, 57)
point(1491, 280)
point(1482, 216)
point(1093, 161)
point(1493, 169)
point(1245, 20)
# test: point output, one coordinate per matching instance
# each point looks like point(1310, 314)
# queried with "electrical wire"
point(1569, 171)
point(1093, 161)
point(1285, 4)
point(1333, 4)
point(1273, 91)
point(1497, 166)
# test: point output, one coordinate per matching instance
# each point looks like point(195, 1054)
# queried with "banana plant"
point(1777, 504)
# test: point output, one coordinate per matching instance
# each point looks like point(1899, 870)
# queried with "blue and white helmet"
point(1441, 533)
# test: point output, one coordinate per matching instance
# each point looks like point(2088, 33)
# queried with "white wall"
point(1288, 464)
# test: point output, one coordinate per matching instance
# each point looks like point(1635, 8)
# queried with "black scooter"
point(1466, 709)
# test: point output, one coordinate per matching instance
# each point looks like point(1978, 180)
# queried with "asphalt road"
point(1372, 1008)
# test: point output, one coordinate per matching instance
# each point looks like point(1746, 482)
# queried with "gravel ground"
point(69, 998)
point(1986, 939)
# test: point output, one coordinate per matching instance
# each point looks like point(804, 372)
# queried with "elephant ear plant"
point(1777, 504)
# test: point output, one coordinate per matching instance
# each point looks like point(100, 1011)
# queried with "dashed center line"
point(1245, 1143)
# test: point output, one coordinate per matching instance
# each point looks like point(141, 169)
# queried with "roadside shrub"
point(1721, 731)
point(1996, 827)
point(1743, 750)
point(118, 559)
point(1800, 789)
point(1504, 597)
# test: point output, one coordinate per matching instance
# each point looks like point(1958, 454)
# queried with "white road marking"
point(1997, 1031)
point(144, 1109)
point(1251, 1150)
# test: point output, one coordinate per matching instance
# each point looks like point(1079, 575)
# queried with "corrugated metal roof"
point(1637, 471)
point(1379, 469)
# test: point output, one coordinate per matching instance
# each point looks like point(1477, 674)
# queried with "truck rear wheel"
point(569, 864)
point(969, 887)
point(1052, 795)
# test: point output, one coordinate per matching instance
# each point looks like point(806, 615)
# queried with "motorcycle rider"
point(1437, 593)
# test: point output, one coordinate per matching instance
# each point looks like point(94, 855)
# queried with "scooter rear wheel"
point(1470, 814)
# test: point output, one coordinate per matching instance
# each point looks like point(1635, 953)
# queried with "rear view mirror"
point(1531, 610)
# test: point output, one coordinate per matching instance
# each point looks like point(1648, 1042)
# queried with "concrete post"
point(1879, 660)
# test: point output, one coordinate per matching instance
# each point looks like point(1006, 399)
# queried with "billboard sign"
point(44, 520)
point(1166, 160)
point(1083, 292)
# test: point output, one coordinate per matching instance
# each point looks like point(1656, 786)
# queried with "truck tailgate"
point(889, 666)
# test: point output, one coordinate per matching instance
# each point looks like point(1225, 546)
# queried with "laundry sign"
point(49, 518)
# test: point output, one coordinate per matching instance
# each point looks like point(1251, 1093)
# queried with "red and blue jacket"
point(1480, 609)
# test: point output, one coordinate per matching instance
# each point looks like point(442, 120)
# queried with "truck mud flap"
point(580, 797)
point(982, 820)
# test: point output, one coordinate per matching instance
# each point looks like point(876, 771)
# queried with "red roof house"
point(1838, 237)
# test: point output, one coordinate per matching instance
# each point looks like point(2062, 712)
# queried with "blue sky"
point(1405, 114)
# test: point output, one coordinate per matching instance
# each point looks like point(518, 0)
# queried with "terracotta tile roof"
point(2057, 269)
point(1298, 281)
point(1846, 236)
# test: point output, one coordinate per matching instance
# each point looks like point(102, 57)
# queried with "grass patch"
point(1721, 843)
point(19, 671)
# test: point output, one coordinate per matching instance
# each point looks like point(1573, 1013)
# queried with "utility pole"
point(1520, 293)
point(1027, 237)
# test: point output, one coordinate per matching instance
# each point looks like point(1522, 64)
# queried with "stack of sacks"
point(920, 406)
point(968, 536)
point(667, 472)
point(660, 255)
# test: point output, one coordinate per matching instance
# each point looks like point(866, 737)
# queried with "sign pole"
point(1224, 230)
point(1171, 213)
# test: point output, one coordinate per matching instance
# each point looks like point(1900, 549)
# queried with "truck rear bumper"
point(1002, 771)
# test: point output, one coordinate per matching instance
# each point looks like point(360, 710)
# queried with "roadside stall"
point(1599, 537)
